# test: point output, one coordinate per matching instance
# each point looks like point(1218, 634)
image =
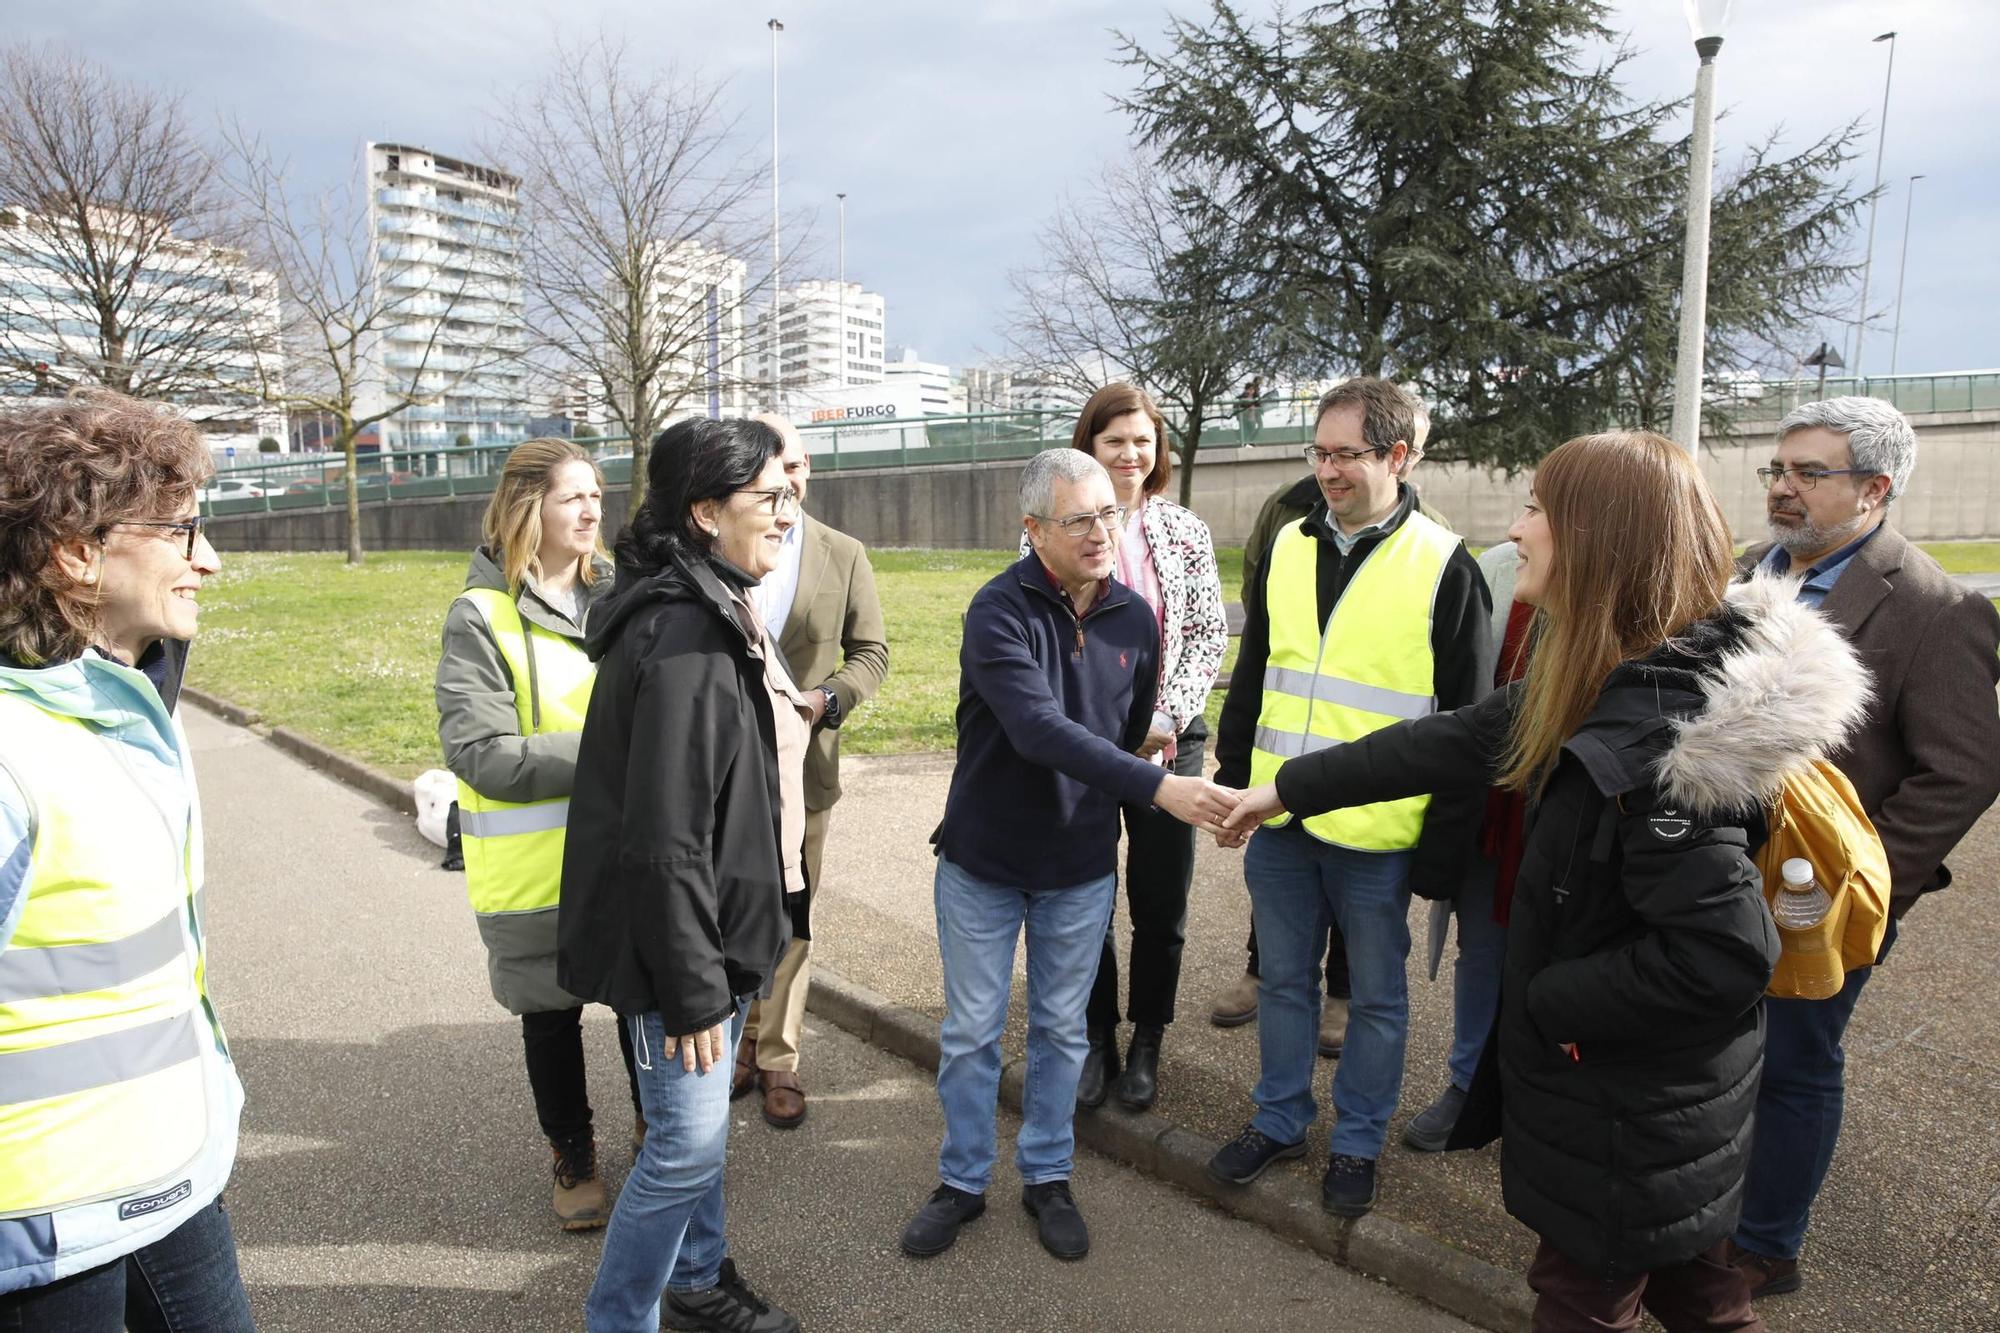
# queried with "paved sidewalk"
point(391, 1176)
point(1909, 1221)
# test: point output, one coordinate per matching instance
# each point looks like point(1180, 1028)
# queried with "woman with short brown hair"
point(118, 1099)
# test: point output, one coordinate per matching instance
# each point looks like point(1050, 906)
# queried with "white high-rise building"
point(699, 299)
point(445, 240)
point(201, 323)
point(984, 389)
point(932, 379)
point(814, 317)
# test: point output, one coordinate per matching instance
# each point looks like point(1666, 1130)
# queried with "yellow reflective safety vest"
point(514, 849)
point(118, 1101)
point(1371, 666)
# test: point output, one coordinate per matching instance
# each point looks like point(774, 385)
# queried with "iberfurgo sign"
point(863, 418)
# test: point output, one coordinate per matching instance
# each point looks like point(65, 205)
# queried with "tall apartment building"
point(814, 317)
point(200, 325)
point(445, 240)
point(984, 389)
point(699, 302)
point(932, 379)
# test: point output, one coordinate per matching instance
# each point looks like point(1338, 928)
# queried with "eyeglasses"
point(191, 526)
point(778, 501)
point(1080, 525)
point(1805, 478)
point(1346, 457)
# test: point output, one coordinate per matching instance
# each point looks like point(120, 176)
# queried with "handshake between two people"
point(1229, 814)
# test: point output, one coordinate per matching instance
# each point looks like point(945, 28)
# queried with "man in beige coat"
point(819, 605)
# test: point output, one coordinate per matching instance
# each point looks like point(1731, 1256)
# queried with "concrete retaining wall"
point(1954, 495)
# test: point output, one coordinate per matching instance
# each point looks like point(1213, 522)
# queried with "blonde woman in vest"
point(118, 1099)
point(512, 684)
point(1165, 555)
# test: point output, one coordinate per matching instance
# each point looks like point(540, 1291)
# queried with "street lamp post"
point(1902, 270)
point(1874, 200)
point(841, 356)
point(1706, 19)
point(777, 329)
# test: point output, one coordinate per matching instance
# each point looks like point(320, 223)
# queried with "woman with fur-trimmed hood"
point(1660, 713)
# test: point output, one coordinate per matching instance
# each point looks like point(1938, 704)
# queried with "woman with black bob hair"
point(684, 840)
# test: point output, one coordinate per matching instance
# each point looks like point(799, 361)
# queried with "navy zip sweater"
point(1050, 708)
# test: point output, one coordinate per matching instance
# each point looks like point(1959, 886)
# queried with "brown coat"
point(1926, 762)
point(833, 637)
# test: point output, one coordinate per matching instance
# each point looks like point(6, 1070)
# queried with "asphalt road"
point(391, 1175)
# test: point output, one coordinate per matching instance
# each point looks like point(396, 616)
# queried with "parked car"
point(232, 488)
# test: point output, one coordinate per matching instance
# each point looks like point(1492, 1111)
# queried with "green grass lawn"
point(346, 655)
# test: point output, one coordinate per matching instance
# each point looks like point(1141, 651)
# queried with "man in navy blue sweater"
point(1057, 676)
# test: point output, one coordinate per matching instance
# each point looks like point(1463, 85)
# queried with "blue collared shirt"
point(1821, 576)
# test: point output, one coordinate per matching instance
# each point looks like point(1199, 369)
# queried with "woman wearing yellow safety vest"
point(118, 1099)
point(512, 684)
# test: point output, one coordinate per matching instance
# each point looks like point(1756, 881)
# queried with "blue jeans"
point(669, 1218)
point(1296, 884)
point(187, 1280)
point(1475, 972)
point(978, 922)
point(1799, 1105)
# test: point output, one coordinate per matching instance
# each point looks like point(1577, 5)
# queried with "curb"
point(1376, 1245)
point(369, 781)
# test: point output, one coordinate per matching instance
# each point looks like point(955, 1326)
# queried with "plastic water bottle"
point(1811, 968)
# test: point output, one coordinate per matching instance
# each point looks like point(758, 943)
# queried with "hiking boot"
point(1138, 1087)
point(638, 1134)
point(1332, 1028)
point(1249, 1155)
point(934, 1228)
point(1766, 1276)
point(1236, 1003)
point(579, 1194)
point(1433, 1125)
point(1057, 1221)
point(744, 1076)
point(1100, 1066)
point(1348, 1187)
point(727, 1307)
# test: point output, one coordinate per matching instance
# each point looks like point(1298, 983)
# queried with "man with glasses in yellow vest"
point(1369, 613)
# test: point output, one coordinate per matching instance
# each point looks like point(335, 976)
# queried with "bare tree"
point(341, 300)
point(1139, 281)
point(640, 239)
point(115, 244)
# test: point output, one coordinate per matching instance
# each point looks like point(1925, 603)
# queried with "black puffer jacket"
point(673, 891)
point(1638, 930)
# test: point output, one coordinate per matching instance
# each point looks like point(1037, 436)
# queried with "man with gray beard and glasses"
point(1922, 763)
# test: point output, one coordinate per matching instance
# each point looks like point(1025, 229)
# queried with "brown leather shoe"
point(784, 1099)
point(1332, 1028)
point(1766, 1276)
point(579, 1193)
point(744, 1077)
point(1235, 1004)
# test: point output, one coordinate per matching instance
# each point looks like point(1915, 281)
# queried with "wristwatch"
point(832, 715)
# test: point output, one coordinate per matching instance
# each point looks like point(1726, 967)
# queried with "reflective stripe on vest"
point(103, 1026)
point(1371, 666)
point(514, 849)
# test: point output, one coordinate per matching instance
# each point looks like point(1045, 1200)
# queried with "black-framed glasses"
point(191, 526)
point(778, 501)
point(1346, 457)
point(1805, 478)
point(1079, 525)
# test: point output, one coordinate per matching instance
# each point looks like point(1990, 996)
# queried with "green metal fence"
point(277, 483)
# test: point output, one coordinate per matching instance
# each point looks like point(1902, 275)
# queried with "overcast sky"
point(953, 126)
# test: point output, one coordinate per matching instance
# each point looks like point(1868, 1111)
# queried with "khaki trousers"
point(777, 1023)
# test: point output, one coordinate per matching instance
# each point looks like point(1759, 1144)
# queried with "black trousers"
point(553, 1041)
point(1159, 868)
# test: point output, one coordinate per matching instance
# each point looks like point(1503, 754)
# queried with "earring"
point(713, 532)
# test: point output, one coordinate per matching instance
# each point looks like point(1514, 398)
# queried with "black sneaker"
point(1246, 1157)
point(1433, 1125)
point(727, 1307)
point(1057, 1220)
point(936, 1224)
point(1348, 1187)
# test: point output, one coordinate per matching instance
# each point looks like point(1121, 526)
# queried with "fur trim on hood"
point(1787, 693)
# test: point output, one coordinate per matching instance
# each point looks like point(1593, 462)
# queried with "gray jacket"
point(484, 748)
